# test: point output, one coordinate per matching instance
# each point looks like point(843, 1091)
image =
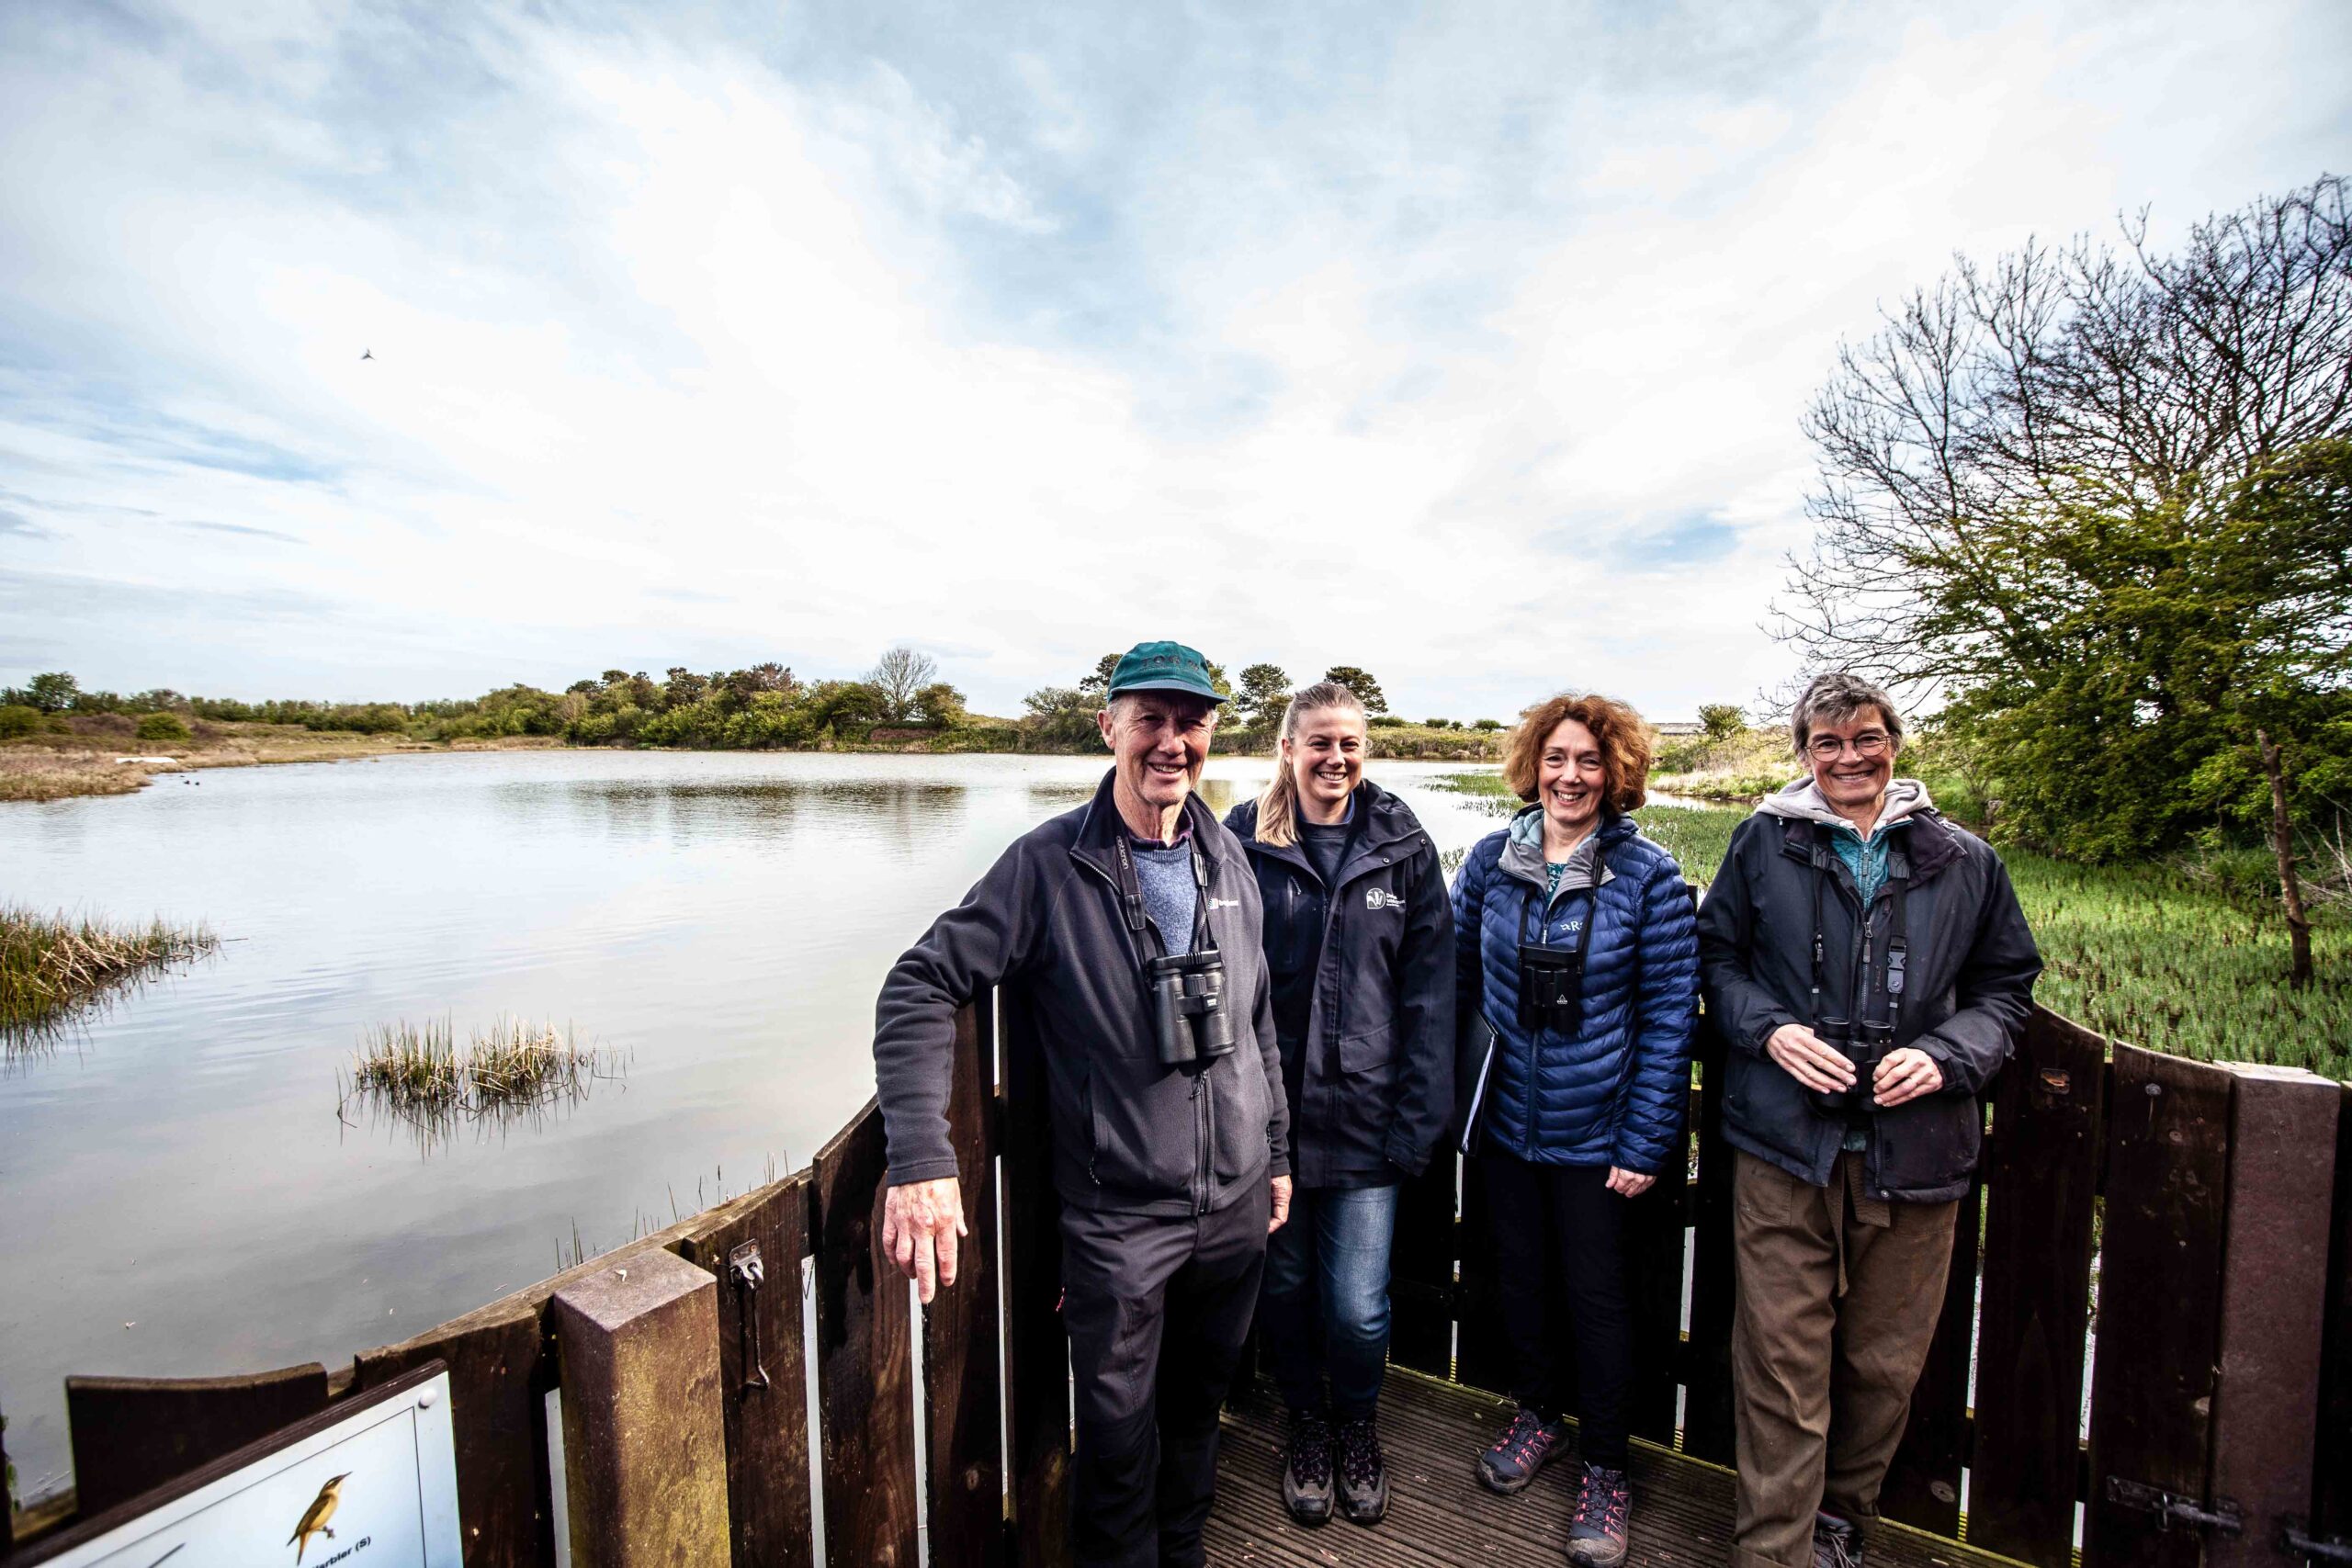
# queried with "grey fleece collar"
point(1802, 801)
point(1522, 855)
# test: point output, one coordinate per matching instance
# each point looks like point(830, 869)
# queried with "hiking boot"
point(1836, 1543)
point(1603, 1521)
point(1520, 1452)
point(1307, 1471)
point(1363, 1478)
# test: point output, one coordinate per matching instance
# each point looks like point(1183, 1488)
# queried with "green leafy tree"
point(1360, 683)
point(941, 705)
point(1264, 694)
point(1061, 715)
point(1098, 684)
point(1487, 724)
point(1721, 720)
point(52, 692)
point(2095, 503)
point(19, 719)
point(163, 726)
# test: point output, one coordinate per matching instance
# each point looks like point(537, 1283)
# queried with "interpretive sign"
point(370, 1482)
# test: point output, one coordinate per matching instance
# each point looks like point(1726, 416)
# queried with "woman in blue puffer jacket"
point(1577, 982)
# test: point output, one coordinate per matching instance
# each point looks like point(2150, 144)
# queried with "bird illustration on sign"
point(315, 1517)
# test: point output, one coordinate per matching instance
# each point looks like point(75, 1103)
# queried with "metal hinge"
point(2318, 1548)
point(2171, 1508)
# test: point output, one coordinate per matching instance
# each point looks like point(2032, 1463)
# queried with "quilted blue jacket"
point(1615, 1092)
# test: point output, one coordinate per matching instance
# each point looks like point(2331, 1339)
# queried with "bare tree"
point(899, 676)
point(2056, 383)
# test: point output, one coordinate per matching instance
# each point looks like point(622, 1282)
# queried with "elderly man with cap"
point(1130, 928)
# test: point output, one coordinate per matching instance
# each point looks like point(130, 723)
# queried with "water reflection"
point(729, 918)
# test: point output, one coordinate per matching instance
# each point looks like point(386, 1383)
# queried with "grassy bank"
point(52, 965)
point(81, 755)
point(2151, 954)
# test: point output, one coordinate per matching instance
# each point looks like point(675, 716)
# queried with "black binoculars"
point(1551, 987)
point(1188, 1016)
point(1862, 1044)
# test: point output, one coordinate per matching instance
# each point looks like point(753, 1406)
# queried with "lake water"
point(180, 1196)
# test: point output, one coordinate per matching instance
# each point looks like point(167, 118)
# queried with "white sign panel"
point(370, 1483)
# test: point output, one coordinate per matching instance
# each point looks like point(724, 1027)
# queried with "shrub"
point(1487, 724)
point(167, 726)
point(1385, 721)
point(17, 719)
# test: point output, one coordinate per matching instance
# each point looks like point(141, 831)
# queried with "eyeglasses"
point(1870, 743)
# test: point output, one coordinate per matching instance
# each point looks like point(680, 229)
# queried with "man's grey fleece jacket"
point(1130, 1135)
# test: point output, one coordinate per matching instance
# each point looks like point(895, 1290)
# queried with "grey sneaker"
point(1307, 1469)
point(1363, 1476)
point(1603, 1522)
point(1520, 1452)
point(1836, 1543)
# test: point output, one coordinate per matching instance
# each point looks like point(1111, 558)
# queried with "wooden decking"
point(1439, 1516)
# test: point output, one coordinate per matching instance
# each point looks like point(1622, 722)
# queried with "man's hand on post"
point(1808, 1060)
point(921, 1222)
point(1905, 1074)
point(1281, 1205)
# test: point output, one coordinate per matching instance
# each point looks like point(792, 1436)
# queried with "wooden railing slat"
point(1656, 1236)
point(1707, 1393)
point(865, 1360)
point(500, 1366)
point(2041, 1172)
point(130, 1435)
point(767, 1428)
point(2332, 1472)
point(2167, 1166)
point(1422, 1269)
point(962, 1397)
point(1036, 1349)
point(1922, 1486)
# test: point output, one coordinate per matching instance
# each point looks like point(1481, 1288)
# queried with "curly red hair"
point(1624, 739)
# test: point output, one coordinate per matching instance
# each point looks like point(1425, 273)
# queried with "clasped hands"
point(1901, 1074)
point(923, 1228)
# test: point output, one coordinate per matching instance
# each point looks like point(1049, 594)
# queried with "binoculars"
point(1551, 987)
point(1862, 1044)
point(1189, 1019)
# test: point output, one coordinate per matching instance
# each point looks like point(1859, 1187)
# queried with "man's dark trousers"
point(1156, 1308)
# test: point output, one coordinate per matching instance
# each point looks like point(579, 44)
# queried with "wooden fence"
point(2208, 1211)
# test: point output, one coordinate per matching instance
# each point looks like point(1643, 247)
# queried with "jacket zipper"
point(1204, 1128)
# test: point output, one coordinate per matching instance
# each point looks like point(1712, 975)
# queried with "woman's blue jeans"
point(1324, 1306)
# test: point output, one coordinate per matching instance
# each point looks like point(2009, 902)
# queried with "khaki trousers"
point(1839, 1297)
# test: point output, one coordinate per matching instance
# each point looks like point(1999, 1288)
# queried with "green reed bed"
point(2146, 953)
point(50, 965)
point(418, 1069)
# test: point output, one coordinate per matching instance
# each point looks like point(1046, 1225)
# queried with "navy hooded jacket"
point(1614, 1093)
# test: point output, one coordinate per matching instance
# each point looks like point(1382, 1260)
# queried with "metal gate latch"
point(2171, 1509)
point(745, 1271)
point(2320, 1549)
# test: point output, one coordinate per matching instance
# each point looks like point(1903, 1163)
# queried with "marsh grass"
point(52, 966)
point(514, 1067)
point(2184, 958)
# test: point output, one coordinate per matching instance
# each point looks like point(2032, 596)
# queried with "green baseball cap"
point(1164, 667)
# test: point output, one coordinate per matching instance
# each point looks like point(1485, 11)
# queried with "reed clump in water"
point(51, 964)
point(513, 1065)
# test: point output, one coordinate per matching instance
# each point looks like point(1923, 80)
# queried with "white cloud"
point(1295, 346)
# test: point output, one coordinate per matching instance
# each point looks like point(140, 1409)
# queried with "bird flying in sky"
point(366, 354)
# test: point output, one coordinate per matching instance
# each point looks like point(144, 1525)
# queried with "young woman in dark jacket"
point(1359, 949)
point(1577, 976)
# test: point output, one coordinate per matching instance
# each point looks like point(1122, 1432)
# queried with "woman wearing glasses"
point(1577, 972)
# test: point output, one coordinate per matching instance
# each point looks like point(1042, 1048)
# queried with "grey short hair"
point(1837, 697)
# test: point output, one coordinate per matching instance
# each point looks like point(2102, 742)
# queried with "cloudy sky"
point(1465, 342)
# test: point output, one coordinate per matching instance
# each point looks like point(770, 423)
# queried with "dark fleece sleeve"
point(1424, 979)
point(991, 935)
point(1666, 1006)
point(1994, 990)
point(1744, 1012)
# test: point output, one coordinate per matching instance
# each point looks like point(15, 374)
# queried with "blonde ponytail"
point(1278, 802)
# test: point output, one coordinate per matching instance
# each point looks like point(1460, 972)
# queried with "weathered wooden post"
point(644, 1438)
point(2274, 1301)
